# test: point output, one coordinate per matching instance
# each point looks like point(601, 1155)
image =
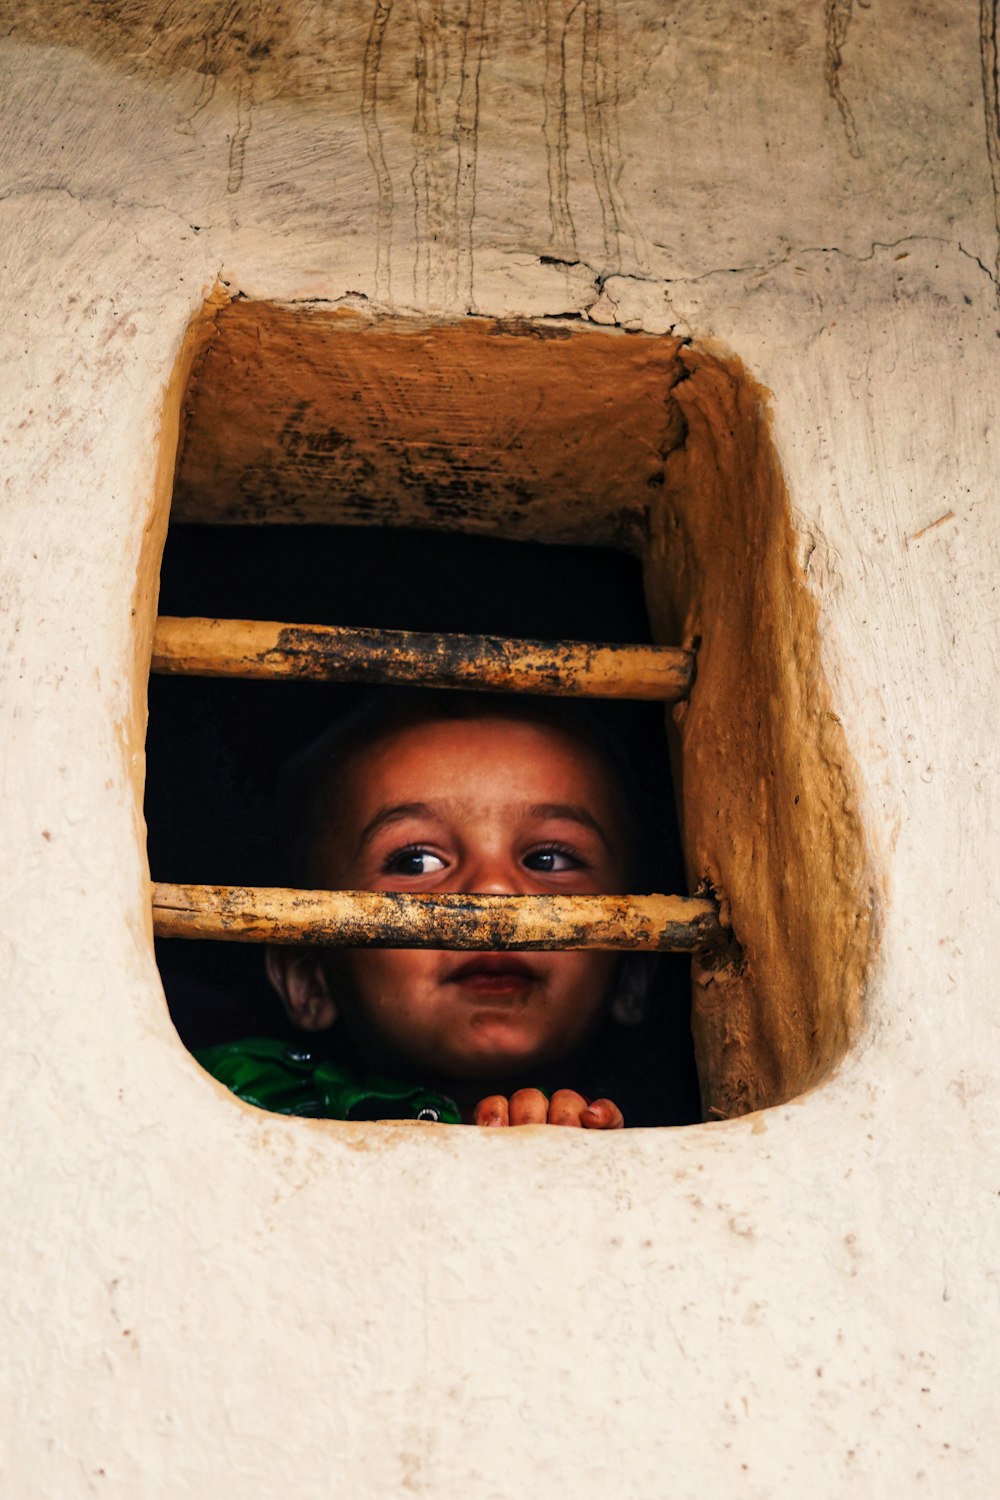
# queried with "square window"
point(447, 446)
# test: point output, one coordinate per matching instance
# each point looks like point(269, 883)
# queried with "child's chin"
point(493, 1058)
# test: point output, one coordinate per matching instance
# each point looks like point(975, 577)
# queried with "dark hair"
point(309, 788)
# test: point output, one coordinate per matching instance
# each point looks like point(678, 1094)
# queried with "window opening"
point(303, 417)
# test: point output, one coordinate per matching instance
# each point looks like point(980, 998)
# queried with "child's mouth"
point(491, 974)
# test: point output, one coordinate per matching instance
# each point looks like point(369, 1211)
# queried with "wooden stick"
point(267, 648)
point(378, 919)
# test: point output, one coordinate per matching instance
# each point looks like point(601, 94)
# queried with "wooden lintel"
point(377, 919)
point(270, 649)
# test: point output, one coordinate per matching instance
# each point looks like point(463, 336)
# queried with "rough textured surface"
point(771, 819)
point(208, 1301)
point(328, 653)
point(300, 414)
point(380, 919)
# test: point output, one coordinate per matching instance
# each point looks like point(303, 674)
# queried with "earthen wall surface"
point(206, 1300)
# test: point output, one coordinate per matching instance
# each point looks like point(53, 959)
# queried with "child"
point(443, 792)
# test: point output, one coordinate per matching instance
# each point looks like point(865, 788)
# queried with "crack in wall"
point(838, 22)
point(240, 136)
point(660, 285)
point(104, 206)
point(994, 276)
point(602, 280)
point(989, 37)
point(450, 46)
point(467, 141)
point(375, 147)
point(596, 93)
point(433, 229)
point(761, 267)
point(86, 197)
point(555, 129)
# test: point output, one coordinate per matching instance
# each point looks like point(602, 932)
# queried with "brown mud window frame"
point(486, 663)
point(256, 649)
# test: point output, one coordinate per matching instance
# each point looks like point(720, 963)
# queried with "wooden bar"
point(270, 649)
point(377, 919)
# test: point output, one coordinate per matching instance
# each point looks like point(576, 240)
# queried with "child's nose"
point(493, 877)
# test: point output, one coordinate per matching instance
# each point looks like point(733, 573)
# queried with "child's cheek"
point(389, 975)
point(588, 972)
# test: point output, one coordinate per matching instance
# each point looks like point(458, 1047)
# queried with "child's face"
point(485, 805)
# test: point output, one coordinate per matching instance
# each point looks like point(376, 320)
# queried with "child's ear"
point(299, 978)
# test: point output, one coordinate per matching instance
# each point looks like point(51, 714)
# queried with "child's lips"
point(493, 974)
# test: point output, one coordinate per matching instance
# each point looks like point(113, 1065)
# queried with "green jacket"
point(294, 1079)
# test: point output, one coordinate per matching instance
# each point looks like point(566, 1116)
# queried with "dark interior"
point(215, 747)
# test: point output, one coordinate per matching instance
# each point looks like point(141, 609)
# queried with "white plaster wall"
point(206, 1301)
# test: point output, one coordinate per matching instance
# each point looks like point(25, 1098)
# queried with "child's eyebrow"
point(395, 813)
point(398, 812)
point(570, 812)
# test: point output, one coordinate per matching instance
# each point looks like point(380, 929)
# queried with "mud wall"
point(211, 1301)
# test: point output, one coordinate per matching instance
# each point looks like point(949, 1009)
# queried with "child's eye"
point(413, 860)
point(552, 859)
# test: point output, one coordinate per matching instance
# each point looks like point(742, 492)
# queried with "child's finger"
point(528, 1107)
point(491, 1110)
point(566, 1107)
point(602, 1115)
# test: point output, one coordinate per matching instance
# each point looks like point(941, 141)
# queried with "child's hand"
point(530, 1107)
